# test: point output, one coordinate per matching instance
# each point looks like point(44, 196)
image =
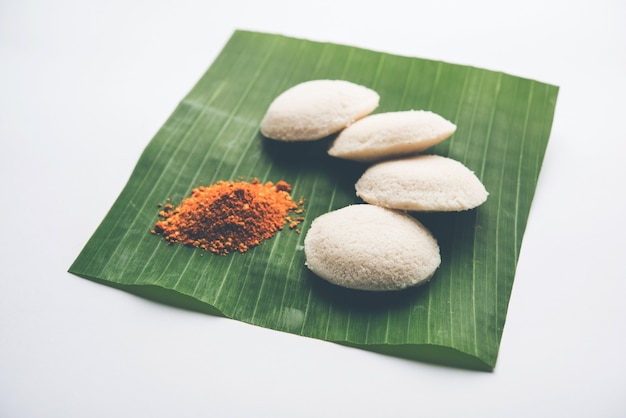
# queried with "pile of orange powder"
point(230, 216)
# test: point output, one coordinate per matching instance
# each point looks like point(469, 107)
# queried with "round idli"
point(421, 183)
point(391, 134)
point(317, 108)
point(368, 247)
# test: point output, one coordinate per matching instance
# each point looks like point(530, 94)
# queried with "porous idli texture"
point(368, 247)
point(392, 134)
point(317, 108)
point(421, 183)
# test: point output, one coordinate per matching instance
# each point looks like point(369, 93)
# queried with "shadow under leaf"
point(163, 296)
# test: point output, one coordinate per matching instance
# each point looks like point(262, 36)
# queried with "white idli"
point(391, 134)
point(368, 247)
point(317, 108)
point(422, 183)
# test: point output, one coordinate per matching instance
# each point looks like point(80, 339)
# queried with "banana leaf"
point(213, 134)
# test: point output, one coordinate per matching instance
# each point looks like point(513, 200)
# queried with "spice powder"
point(230, 215)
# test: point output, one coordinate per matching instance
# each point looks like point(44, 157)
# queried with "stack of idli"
point(375, 245)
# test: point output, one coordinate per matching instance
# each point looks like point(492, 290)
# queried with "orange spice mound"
point(230, 216)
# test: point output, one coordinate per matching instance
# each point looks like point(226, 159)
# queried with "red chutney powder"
point(230, 216)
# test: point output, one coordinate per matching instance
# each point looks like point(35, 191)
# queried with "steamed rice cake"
point(421, 183)
point(391, 134)
point(315, 109)
point(368, 247)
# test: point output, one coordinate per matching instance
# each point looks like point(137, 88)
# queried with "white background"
point(84, 86)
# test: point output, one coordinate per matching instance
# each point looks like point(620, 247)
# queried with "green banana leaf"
point(457, 319)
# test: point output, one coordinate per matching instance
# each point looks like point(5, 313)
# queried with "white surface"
point(85, 85)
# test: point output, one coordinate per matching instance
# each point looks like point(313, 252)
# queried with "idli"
point(391, 134)
point(317, 108)
point(421, 183)
point(368, 247)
